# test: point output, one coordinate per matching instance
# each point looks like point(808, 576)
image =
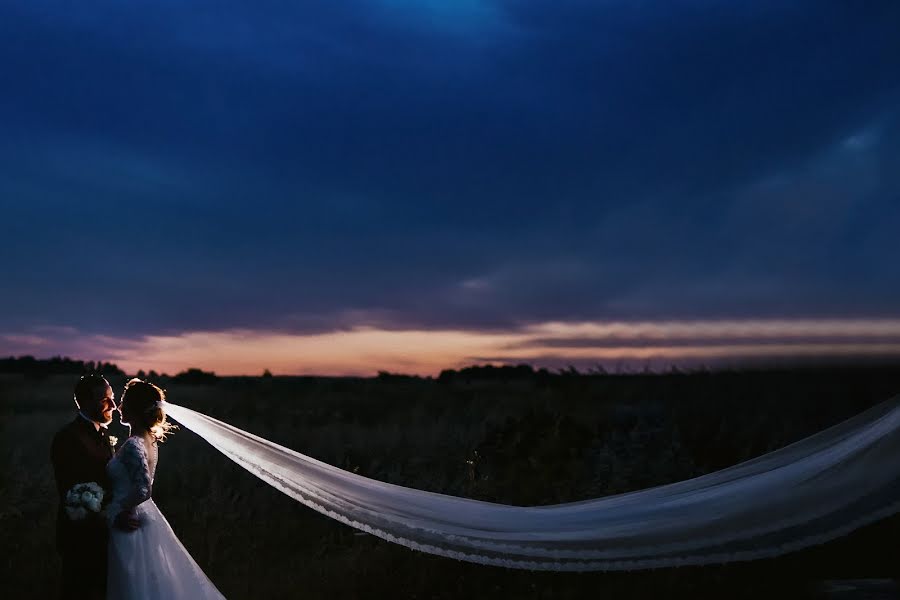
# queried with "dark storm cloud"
point(172, 166)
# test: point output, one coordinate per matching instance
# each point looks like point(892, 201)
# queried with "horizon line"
point(366, 350)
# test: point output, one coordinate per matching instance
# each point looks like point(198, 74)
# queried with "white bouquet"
point(83, 497)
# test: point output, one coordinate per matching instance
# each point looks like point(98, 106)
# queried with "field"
point(512, 439)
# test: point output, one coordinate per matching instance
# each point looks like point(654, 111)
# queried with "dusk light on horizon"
point(364, 351)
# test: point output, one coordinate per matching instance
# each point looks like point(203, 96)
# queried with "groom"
point(79, 454)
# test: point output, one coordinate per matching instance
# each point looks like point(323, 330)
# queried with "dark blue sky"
point(173, 166)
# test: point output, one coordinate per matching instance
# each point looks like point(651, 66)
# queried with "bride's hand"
point(126, 521)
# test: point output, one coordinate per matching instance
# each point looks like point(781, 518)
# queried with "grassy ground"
point(518, 441)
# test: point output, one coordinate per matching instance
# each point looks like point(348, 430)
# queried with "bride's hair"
point(144, 404)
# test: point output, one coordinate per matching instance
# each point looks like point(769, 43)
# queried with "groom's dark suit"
point(79, 454)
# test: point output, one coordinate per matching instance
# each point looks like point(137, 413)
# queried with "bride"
point(146, 560)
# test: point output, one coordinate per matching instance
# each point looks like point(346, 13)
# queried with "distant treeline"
point(63, 365)
point(57, 365)
point(476, 376)
point(495, 374)
point(500, 374)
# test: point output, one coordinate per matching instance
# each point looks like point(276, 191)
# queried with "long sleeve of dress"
point(132, 457)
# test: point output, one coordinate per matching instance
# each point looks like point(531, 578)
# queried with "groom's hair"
point(86, 386)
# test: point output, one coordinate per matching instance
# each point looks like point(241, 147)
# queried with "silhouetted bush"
point(196, 377)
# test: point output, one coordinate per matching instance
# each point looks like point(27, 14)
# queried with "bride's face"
point(123, 419)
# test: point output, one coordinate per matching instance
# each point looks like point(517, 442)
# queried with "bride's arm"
point(134, 458)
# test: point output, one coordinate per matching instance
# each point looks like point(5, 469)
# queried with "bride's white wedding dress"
point(149, 563)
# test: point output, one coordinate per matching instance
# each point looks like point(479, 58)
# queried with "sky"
point(347, 187)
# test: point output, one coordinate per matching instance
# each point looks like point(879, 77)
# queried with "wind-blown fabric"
point(804, 494)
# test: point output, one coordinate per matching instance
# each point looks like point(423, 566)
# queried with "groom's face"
point(104, 405)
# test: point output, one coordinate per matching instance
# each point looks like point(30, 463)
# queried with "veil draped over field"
point(807, 493)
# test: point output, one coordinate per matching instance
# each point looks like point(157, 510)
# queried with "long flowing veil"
point(804, 494)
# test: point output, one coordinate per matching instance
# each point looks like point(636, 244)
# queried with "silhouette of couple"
point(113, 540)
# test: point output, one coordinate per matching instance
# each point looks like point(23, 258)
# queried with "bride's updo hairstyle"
point(142, 406)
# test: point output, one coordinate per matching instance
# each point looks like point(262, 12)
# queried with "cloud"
point(177, 167)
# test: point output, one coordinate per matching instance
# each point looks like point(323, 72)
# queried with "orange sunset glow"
point(364, 351)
